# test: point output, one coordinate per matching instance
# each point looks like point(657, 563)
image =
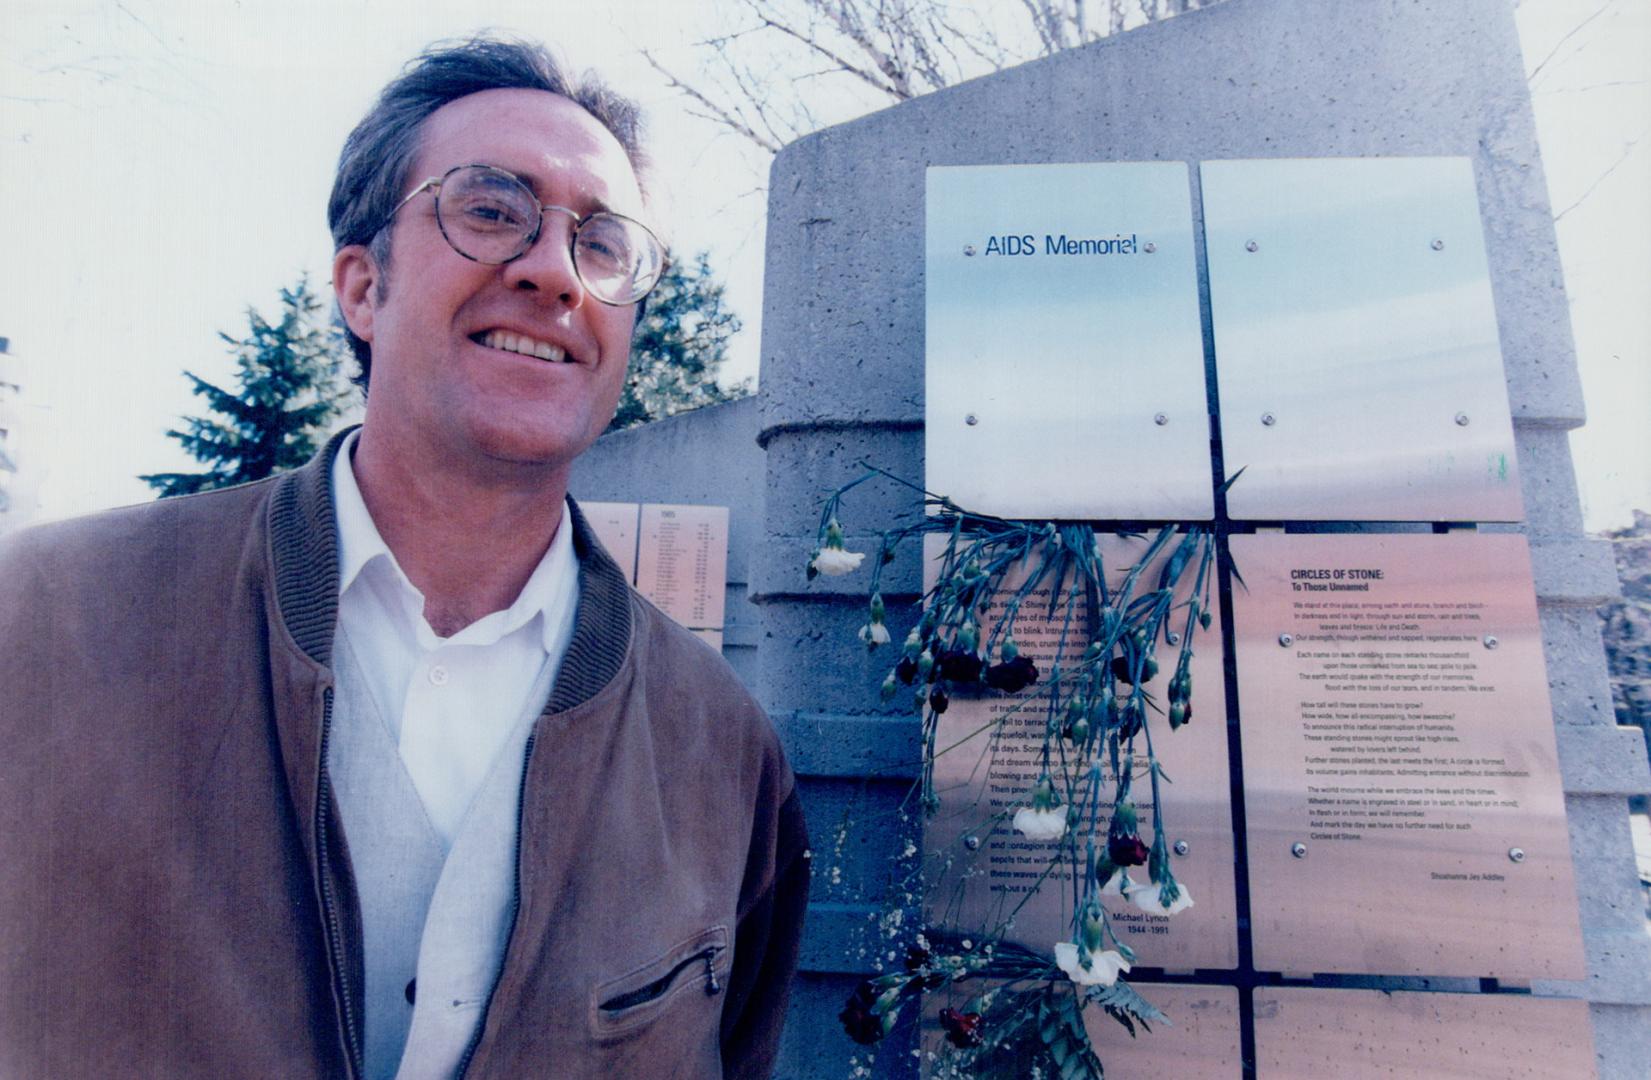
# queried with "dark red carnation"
point(938, 700)
point(1127, 850)
point(959, 666)
point(962, 1029)
point(1012, 676)
point(857, 1018)
point(906, 670)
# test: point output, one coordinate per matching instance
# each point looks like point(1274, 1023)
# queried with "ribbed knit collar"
point(303, 538)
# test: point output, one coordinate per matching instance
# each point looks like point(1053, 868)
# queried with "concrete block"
point(1574, 571)
point(1547, 480)
point(1578, 687)
point(1600, 760)
point(1622, 1040)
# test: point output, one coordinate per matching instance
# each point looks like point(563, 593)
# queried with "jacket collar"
point(303, 533)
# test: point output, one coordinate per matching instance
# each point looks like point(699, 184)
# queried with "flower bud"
point(890, 687)
point(1010, 650)
point(1179, 713)
point(1092, 928)
point(968, 638)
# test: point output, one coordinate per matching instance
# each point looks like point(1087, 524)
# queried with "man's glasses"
point(489, 216)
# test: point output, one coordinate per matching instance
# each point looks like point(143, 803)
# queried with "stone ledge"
point(1581, 572)
point(836, 744)
point(839, 938)
point(1619, 970)
point(1602, 759)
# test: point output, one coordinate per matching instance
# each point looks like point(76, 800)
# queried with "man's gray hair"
point(373, 167)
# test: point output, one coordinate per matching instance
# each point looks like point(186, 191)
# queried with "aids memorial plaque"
point(1201, 1039)
point(1063, 342)
point(1307, 1033)
point(1361, 370)
point(983, 778)
point(1401, 784)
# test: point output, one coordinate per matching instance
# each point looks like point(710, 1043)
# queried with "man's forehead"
point(544, 138)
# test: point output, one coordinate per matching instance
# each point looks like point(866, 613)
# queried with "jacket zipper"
point(515, 910)
point(329, 904)
point(658, 988)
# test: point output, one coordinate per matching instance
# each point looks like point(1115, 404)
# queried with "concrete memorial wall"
point(1308, 240)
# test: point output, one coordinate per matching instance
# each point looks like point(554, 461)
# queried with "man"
point(379, 768)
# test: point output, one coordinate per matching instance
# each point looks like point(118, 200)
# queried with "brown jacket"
point(175, 890)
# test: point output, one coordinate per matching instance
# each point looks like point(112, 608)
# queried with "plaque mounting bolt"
point(1298, 849)
point(1491, 642)
point(1160, 419)
point(968, 249)
point(971, 419)
point(1286, 640)
point(972, 843)
point(1252, 246)
point(1516, 854)
point(1149, 247)
point(1173, 637)
point(1268, 419)
point(1182, 847)
point(1461, 419)
point(1437, 245)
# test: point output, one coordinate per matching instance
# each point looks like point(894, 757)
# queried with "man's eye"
point(490, 214)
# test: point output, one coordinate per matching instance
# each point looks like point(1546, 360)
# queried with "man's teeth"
point(521, 343)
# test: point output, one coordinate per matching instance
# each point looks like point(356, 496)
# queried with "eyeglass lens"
point(489, 216)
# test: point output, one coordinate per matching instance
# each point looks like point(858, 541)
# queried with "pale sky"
point(166, 164)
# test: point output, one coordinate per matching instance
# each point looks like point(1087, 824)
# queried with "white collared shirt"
point(450, 703)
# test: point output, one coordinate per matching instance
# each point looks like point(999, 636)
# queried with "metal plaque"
point(676, 556)
point(1310, 1033)
point(1064, 355)
point(982, 778)
point(1405, 814)
point(615, 526)
point(1359, 365)
point(1200, 1040)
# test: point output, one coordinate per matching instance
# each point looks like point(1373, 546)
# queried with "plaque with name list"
point(1307, 1033)
point(1401, 784)
point(1064, 353)
point(1201, 1039)
point(676, 556)
point(1360, 365)
point(982, 779)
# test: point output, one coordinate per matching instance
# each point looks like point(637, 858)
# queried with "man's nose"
point(547, 266)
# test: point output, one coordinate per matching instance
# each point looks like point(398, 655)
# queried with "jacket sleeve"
point(766, 946)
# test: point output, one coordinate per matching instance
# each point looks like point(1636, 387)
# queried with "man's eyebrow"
point(534, 184)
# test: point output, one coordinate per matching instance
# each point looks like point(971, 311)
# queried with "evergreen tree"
point(680, 343)
point(290, 390)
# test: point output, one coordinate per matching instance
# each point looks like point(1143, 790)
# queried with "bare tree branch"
point(1627, 149)
point(1560, 44)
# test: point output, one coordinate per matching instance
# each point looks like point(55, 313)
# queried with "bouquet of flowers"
point(1104, 693)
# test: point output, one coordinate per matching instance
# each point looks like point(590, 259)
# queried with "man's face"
point(446, 386)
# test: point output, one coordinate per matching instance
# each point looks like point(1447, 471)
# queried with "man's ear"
point(355, 276)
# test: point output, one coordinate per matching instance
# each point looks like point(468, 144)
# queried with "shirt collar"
point(553, 585)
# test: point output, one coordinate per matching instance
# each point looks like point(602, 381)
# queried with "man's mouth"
point(522, 344)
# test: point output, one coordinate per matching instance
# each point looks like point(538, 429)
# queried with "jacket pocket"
point(697, 966)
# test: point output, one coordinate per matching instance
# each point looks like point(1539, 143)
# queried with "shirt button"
point(438, 675)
